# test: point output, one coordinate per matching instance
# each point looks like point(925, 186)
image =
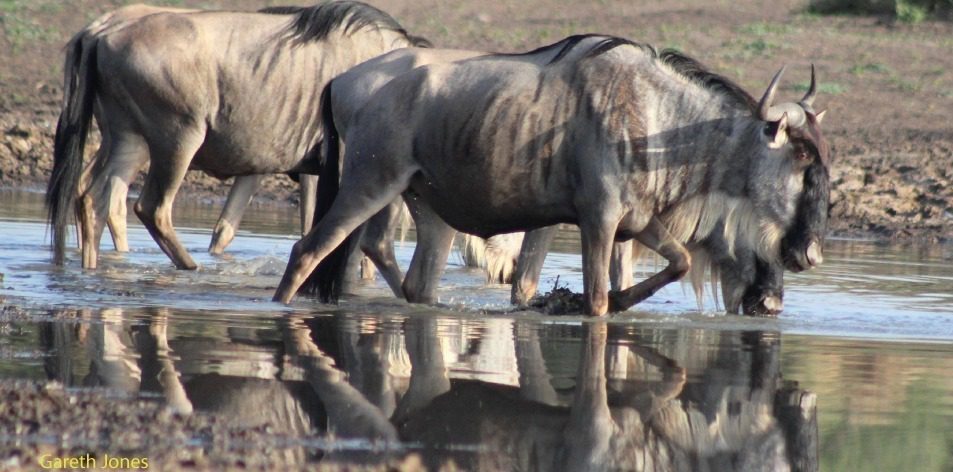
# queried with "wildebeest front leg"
point(656, 237)
point(434, 240)
point(529, 265)
point(362, 196)
point(598, 235)
point(243, 189)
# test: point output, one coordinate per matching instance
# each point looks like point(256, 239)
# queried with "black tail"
point(79, 87)
point(328, 279)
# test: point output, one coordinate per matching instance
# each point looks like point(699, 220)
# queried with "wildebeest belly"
point(488, 204)
point(233, 152)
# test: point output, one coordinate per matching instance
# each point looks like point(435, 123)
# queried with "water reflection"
point(487, 394)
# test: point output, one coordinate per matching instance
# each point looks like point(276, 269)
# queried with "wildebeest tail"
point(328, 279)
point(79, 87)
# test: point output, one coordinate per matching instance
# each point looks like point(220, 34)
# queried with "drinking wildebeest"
point(749, 285)
point(353, 88)
point(228, 93)
point(667, 139)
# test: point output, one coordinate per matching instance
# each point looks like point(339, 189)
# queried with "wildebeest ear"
point(777, 132)
point(820, 116)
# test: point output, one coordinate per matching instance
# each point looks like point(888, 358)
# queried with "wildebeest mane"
point(282, 10)
point(566, 45)
point(611, 43)
point(315, 23)
point(692, 69)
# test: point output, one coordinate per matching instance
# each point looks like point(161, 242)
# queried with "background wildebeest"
point(605, 133)
point(182, 90)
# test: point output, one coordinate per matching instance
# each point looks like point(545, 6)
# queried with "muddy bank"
point(44, 421)
point(893, 187)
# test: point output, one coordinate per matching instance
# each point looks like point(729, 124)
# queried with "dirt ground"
point(888, 86)
point(44, 422)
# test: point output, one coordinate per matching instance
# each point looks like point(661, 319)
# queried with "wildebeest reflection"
point(661, 422)
point(498, 394)
point(233, 373)
point(632, 407)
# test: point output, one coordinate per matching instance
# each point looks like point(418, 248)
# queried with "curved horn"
point(765, 104)
point(796, 116)
point(808, 99)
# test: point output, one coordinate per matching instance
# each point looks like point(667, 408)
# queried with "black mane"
point(568, 44)
point(317, 22)
point(282, 10)
point(694, 70)
point(607, 44)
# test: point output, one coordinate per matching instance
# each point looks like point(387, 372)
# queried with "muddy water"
point(854, 375)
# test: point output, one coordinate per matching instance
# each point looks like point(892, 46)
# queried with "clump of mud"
point(559, 301)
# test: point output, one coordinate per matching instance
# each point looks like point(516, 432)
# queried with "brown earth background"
point(888, 85)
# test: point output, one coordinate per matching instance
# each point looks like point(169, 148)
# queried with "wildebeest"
point(243, 187)
point(605, 133)
point(349, 92)
point(228, 93)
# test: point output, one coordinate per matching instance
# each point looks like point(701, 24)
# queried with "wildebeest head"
point(800, 156)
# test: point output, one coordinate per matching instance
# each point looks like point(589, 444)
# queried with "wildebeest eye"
point(802, 155)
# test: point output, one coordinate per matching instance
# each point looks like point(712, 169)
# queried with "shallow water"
point(867, 337)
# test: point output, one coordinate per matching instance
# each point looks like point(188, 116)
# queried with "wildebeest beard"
point(810, 223)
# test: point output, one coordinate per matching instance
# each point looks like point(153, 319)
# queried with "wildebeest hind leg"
point(529, 265)
point(656, 237)
point(154, 207)
point(128, 154)
point(620, 268)
point(117, 213)
point(239, 196)
point(308, 185)
point(434, 240)
point(104, 199)
point(378, 244)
